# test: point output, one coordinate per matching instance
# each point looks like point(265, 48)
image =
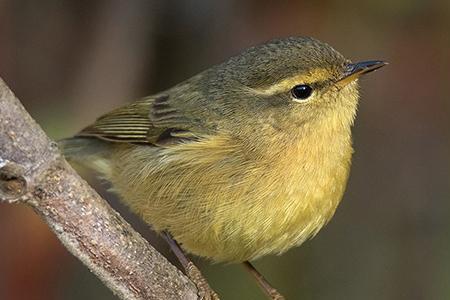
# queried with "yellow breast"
point(228, 204)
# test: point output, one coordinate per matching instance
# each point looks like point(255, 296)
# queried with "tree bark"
point(33, 172)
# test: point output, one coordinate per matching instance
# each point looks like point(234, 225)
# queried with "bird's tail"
point(88, 152)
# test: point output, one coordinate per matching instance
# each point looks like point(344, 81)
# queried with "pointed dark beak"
point(353, 71)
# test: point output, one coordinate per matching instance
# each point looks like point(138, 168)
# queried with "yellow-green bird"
point(248, 158)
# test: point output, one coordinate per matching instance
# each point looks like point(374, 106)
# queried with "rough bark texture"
point(33, 172)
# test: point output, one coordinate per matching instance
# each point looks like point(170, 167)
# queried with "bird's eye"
point(301, 91)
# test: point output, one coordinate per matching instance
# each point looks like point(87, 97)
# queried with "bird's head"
point(288, 83)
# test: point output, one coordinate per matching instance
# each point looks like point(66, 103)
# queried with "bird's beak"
point(353, 71)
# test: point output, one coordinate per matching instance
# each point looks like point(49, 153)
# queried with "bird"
point(248, 158)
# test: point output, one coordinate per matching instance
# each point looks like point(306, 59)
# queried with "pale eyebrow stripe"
point(286, 84)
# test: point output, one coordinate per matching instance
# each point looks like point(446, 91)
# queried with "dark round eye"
point(301, 91)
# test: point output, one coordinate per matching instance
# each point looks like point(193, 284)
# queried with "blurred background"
point(71, 61)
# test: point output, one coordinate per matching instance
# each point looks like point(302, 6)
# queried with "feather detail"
point(149, 121)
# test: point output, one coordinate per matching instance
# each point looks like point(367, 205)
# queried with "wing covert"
point(148, 121)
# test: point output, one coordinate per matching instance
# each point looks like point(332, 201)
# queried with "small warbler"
point(248, 158)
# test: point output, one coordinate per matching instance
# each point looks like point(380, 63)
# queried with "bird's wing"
point(152, 120)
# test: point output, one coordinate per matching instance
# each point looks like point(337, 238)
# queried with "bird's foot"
point(275, 295)
point(267, 288)
point(204, 290)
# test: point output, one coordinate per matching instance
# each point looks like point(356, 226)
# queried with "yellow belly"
point(229, 207)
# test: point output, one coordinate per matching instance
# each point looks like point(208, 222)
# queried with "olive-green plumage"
point(233, 162)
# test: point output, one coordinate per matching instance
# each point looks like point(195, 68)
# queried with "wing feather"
point(149, 121)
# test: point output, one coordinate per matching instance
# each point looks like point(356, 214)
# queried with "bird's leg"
point(204, 290)
point(270, 291)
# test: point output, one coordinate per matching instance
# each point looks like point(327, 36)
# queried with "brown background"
point(70, 61)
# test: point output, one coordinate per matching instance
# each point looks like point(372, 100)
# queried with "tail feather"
point(88, 152)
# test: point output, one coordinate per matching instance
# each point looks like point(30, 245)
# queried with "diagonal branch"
point(33, 172)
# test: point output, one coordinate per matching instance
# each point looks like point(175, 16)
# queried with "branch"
point(33, 172)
